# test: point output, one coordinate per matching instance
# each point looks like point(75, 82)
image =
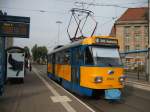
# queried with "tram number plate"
point(110, 78)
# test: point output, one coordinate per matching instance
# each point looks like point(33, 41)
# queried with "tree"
point(42, 53)
point(39, 53)
point(43, 50)
point(34, 52)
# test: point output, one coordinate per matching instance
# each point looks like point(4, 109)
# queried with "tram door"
point(75, 68)
point(53, 64)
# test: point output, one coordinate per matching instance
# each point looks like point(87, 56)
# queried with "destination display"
point(13, 26)
point(106, 41)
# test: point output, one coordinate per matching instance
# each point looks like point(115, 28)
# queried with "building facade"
point(131, 30)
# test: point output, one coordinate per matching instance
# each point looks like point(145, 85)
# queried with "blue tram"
point(88, 66)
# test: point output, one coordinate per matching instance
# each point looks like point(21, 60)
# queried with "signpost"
point(149, 40)
point(1, 64)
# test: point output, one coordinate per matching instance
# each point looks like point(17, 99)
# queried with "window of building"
point(146, 31)
point(127, 48)
point(138, 39)
point(146, 39)
point(127, 31)
point(137, 47)
point(137, 31)
point(127, 40)
point(146, 46)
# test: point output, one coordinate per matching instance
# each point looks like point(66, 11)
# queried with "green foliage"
point(39, 53)
point(34, 52)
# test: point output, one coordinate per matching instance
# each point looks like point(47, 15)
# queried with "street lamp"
point(59, 23)
point(148, 40)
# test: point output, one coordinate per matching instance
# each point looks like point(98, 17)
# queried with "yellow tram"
point(87, 66)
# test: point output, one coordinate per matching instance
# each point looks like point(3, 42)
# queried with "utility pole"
point(59, 23)
point(148, 41)
point(2, 61)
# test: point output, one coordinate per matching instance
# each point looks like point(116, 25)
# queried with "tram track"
point(104, 106)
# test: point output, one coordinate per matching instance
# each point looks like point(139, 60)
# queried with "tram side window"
point(49, 59)
point(66, 57)
point(62, 57)
point(78, 56)
point(53, 58)
point(57, 58)
point(88, 57)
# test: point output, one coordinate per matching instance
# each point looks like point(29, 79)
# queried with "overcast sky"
point(45, 13)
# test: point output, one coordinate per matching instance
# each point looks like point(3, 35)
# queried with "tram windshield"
point(105, 56)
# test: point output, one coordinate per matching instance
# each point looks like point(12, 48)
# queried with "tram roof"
point(74, 44)
point(86, 41)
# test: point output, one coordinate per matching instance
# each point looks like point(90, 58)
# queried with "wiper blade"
point(110, 65)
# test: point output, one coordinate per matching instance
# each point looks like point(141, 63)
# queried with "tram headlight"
point(98, 79)
point(122, 78)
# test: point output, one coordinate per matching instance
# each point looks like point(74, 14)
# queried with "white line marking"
point(65, 104)
point(60, 99)
point(84, 104)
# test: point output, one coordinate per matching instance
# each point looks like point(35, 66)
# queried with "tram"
point(88, 66)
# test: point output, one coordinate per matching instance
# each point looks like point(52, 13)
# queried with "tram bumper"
point(112, 94)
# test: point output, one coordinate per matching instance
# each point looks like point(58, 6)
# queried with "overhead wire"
point(47, 11)
point(109, 5)
point(77, 2)
point(68, 1)
point(34, 10)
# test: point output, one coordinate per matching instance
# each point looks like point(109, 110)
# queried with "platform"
point(39, 94)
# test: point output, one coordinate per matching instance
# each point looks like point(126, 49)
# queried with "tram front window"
point(88, 56)
point(106, 56)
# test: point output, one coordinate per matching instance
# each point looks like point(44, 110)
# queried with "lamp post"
point(59, 23)
point(2, 61)
point(148, 41)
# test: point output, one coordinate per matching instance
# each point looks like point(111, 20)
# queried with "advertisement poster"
point(15, 65)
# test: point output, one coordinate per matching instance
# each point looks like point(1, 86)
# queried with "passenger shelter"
point(15, 63)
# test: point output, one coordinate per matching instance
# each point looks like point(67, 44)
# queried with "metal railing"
point(135, 64)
